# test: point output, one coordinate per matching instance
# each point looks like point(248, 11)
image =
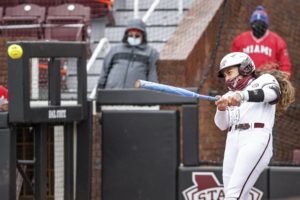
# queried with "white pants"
point(247, 154)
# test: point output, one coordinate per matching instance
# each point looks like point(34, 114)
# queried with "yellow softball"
point(15, 51)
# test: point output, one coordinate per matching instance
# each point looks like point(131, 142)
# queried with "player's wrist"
point(244, 95)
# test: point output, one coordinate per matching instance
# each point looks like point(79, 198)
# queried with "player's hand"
point(234, 100)
point(222, 103)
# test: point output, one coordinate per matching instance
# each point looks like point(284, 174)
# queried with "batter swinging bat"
point(171, 90)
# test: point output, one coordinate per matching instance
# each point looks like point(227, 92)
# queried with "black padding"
point(284, 183)
point(141, 97)
point(3, 119)
point(277, 91)
point(7, 165)
point(139, 155)
point(190, 135)
point(256, 95)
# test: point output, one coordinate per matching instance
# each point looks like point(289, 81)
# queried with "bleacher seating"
point(5, 3)
point(25, 20)
point(47, 3)
point(99, 8)
point(69, 22)
point(66, 22)
point(50, 20)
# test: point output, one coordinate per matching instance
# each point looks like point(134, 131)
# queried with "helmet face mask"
point(241, 60)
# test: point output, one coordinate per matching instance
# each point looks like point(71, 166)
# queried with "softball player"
point(247, 111)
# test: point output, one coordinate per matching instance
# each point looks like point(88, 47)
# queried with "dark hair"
point(286, 87)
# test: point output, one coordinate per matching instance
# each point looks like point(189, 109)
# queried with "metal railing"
point(103, 46)
point(150, 10)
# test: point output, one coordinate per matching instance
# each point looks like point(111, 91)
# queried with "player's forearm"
point(268, 94)
point(222, 119)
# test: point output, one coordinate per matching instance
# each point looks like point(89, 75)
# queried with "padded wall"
point(7, 164)
point(139, 155)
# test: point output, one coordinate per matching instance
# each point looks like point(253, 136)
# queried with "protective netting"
point(233, 20)
point(283, 19)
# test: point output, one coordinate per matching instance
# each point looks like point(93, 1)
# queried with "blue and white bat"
point(171, 90)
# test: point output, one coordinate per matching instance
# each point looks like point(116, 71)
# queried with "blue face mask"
point(132, 41)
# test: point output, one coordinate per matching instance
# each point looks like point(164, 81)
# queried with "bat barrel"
point(171, 90)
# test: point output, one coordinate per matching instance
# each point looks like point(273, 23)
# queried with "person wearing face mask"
point(134, 59)
point(247, 111)
point(266, 48)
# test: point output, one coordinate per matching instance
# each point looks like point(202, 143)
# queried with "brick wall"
point(3, 60)
point(183, 61)
point(96, 161)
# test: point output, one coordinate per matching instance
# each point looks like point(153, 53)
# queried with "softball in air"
point(15, 51)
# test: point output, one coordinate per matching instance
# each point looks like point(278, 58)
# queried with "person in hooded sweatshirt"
point(133, 59)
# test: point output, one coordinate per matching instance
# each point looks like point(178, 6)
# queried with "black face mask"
point(259, 28)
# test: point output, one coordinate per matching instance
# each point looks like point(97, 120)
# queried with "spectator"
point(132, 60)
point(3, 99)
point(262, 45)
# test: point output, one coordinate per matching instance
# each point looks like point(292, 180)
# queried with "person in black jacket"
point(134, 59)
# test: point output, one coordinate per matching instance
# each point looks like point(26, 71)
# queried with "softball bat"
point(172, 90)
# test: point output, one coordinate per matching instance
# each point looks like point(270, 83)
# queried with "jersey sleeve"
point(222, 119)
point(264, 89)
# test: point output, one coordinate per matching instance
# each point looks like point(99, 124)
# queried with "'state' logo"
point(207, 187)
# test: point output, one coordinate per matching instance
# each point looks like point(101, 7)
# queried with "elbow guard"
point(256, 95)
point(259, 95)
point(278, 94)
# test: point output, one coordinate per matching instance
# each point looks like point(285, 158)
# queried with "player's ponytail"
point(286, 88)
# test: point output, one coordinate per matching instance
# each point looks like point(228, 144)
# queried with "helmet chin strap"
point(239, 82)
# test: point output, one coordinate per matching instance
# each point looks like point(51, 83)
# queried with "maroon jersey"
point(271, 48)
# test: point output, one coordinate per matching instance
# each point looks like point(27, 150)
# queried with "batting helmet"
point(240, 59)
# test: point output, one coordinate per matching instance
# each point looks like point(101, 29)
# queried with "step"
point(160, 17)
point(145, 4)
